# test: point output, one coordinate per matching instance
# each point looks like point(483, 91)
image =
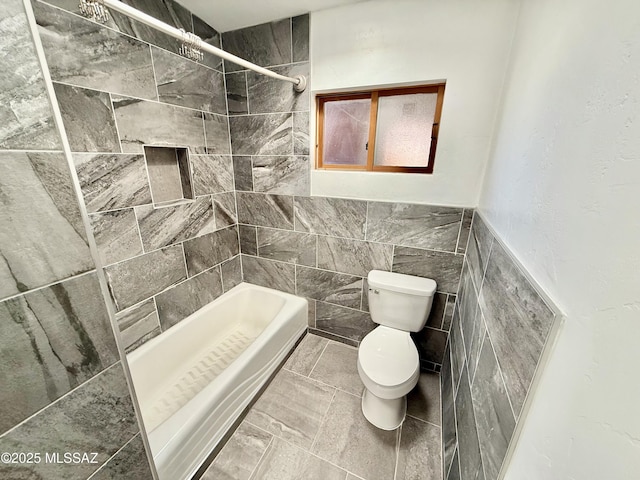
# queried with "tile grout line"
point(324, 418)
point(101, 468)
point(155, 77)
point(135, 215)
point(459, 230)
point(318, 359)
point(48, 285)
point(398, 440)
point(261, 456)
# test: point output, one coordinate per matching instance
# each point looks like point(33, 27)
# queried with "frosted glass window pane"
point(403, 135)
point(346, 132)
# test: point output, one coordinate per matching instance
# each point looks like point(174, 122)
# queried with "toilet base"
point(383, 413)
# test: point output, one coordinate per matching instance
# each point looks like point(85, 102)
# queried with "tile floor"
point(308, 425)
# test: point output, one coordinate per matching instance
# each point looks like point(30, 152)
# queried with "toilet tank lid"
point(398, 282)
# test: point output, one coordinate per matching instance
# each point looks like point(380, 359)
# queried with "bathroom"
point(528, 224)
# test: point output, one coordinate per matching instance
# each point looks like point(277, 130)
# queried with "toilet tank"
point(400, 301)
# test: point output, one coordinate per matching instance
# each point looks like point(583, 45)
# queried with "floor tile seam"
point(251, 476)
point(398, 441)
point(323, 420)
point(424, 421)
point(318, 359)
point(325, 384)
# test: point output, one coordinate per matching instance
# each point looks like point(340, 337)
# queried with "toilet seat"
point(388, 362)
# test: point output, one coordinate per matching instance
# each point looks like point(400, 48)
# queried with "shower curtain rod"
point(93, 8)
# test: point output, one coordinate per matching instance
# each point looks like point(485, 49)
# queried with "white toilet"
point(388, 361)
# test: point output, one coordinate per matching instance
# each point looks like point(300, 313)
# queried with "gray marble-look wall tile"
point(26, 118)
point(448, 312)
point(130, 462)
point(331, 216)
point(492, 410)
point(150, 123)
point(224, 209)
point(266, 44)
point(518, 321)
point(248, 240)
point(138, 324)
point(237, 93)
point(42, 239)
point(468, 446)
point(160, 227)
point(177, 303)
point(465, 228)
point(231, 273)
point(301, 133)
point(467, 301)
point(419, 452)
point(431, 344)
point(422, 226)
point(353, 256)
point(458, 353)
point(437, 310)
point(284, 175)
point(269, 95)
point(243, 173)
point(52, 340)
point(337, 288)
point(475, 342)
point(87, 54)
point(443, 267)
point(96, 417)
point(142, 277)
point(208, 250)
point(478, 248)
point(216, 129)
point(287, 246)
point(449, 435)
point(209, 35)
point(300, 35)
point(345, 322)
point(111, 181)
point(270, 134)
point(265, 210)
point(311, 312)
point(88, 119)
point(211, 173)
point(268, 273)
point(240, 455)
point(454, 471)
point(116, 234)
point(188, 84)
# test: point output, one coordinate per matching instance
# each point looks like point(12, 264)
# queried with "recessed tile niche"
point(169, 175)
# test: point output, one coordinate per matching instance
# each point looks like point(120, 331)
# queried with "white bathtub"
point(194, 380)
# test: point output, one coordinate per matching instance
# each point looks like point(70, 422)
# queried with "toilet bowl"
point(388, 361)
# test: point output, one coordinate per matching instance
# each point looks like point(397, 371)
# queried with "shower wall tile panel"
point(138, 324)
point(204, 252)
point(437, 310)
point(422, 226)
point(83, 53)
point(353, 256)
point(301, 133)
point(468, 445)
point(237, 93)
point(116, 234)
point(186, 83)
point(248, 239)
point(478, 248)
point(149, 123)
point(331, 287)
point(269, 95)
point(161, 227)
point(130, 462)
point(331, 216)
point(266, 45)
point(300, 35)
point(243, 173)
point(268, 134)
point(465, 229)
point(96, 417)
point(209, 35)
point(342, 321)
point(443, 267)
point(26, 119)
point(88, 119)
point(449, 435)
point(284, 175)
point(112, 181)
point(212, 173)
point(231, 271)
point(224, 209)
point(52, 340)
point(269, 273)
point(431, 344)
point(177, 303)
point(286, 246)
point(42, 239)
point(142, 277)
point(518, 322)
point(217, 133)
point(265, 210)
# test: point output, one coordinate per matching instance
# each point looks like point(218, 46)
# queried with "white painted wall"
point(389, 42)
point(563, 191)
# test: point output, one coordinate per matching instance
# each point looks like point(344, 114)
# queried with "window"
point(390, 130)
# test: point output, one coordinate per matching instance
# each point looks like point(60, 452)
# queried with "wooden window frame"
point(374, 95)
